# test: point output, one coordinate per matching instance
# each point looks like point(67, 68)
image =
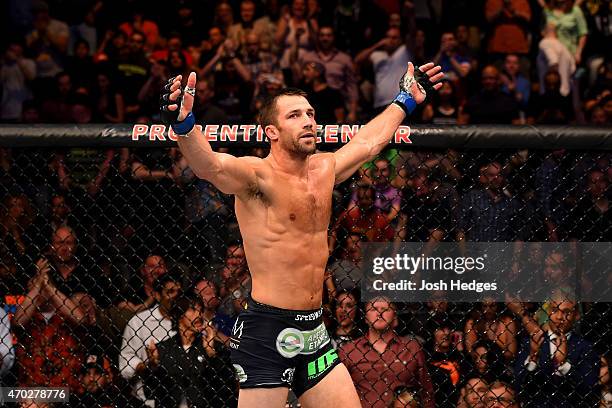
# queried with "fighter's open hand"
point(176, 103)
point(422, 81)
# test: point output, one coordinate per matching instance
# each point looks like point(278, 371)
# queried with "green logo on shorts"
point(321, 364)
point(290, 342)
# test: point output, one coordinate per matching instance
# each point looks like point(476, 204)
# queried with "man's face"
point(192, 320)
point(563, 315)
point(365, 197)
point(247, 11)
point(94, 380)
point(481, 359)
point(489, 309)
point(442, 338)
point(500, 397)
point(380, 315)
point(63, 243)
point(298, 8)
point(153, 268)
point(491, 177)
point(310, 74)
point(326, 38)
point(207, 293)
point(169, 292)
point(511, 64)
point(490, 79)
point(394, 38)
point(462, 34)
point(64, 84)
point(215, 36)
point(137, 42)
point(252, 45)
point(381, 172)
point(235, 258)
point(59, 208)
point(554, 267)
point(203, 93)
point(552, 82)
point(598, 184)
point(296, 125)
point(474, 393)
point(346, 310)
point(448, 42)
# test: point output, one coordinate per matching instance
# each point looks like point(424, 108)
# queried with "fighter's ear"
point(271, 132)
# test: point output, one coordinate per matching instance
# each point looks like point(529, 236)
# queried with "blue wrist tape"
point(405, 101)
point(185, 126)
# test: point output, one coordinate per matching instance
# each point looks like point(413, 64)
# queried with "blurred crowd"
point(122, 273)
point(506, 61)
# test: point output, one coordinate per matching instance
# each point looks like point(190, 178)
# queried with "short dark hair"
point(171, 276)
point(268, 111)
point(183, 303)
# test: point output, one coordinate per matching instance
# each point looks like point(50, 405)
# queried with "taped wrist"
point(183, 127)
point(405, 101)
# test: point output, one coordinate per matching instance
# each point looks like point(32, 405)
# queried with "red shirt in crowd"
point(376, 375)
point(373, 224)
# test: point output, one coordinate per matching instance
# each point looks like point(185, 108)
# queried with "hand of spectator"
point(535, 342)
point(578, 57)
point(561, 352)
point(153, 354)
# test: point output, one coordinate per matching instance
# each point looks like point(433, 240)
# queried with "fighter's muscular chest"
point(296, 203)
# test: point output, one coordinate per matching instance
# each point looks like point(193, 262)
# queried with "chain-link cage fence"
point(107, 253)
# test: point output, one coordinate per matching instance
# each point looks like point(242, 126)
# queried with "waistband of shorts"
point(255, 305)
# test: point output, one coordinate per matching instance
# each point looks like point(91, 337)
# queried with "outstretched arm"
point(231, 175)
point(374, 136)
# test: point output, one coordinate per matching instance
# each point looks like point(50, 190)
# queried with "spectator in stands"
point(404, 360)
point(364, 218)
point(210, 47)
point(486, 361)
point(224, 16)
point(236, 281)
point(443, 109)
point(99, 388)
point(501, 395)
point(326, 101)
point(445, 364)
point(509, 20)
point(207, 291)
point(473, 394)
point(49, 352)
point(430, 208)
point(488, 324)
point(570, 23)
point(80, 66)
point(191, 365)
point(559, 368)
point(206, 111)
point(86, 30)
point(389, 58)
point(138, 22)
point(551, 107)
point(108, 101)
point(47, 43)
point(248, 24)
point(405, 397)
point(554, 55)
point(7, 352)
point(16, 73)
point(514, 82)
point(174, 43)
point(592, 215)
point(346, 269)
point(57, 104)
point(339, 71)
point(346, 317)
point(358, 24)
point(454, 65)
point(490, 105)
point(388, 198)
point(295, 29)
point(133, 70)
point(139, 293)
point(15, 219)
point(487, 214)
point(148, 327)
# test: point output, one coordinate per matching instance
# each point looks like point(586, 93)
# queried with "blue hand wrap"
point(405, 101)
point(185, 126)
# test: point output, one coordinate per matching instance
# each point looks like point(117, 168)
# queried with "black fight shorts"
point(274, 347)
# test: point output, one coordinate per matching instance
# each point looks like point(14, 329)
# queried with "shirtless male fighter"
point(283, 206)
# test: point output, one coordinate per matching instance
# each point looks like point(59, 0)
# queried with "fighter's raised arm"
point(231, 175)
point(375, 135)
